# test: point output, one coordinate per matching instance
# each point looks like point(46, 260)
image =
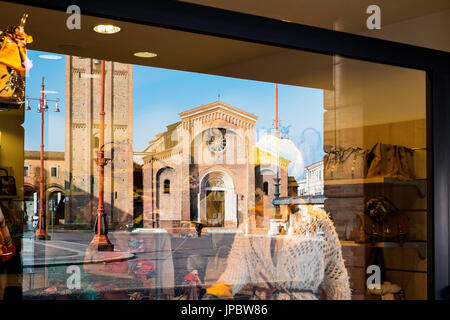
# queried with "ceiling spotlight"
point(106, 28)
point(145, 54)
point(27, 105)
point(56, 107)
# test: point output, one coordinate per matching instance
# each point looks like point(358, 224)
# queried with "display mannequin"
point(302, 265)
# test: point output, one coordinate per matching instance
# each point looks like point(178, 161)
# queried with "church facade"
point(207, 168)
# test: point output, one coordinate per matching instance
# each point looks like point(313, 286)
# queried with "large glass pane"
point(213, 169)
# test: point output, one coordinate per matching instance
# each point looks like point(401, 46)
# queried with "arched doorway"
point(217, 200)
point(55, 205)
point(167, 197)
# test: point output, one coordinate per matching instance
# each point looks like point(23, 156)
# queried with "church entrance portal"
point(217, 200)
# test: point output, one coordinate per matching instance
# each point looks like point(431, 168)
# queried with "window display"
point(234, 170)
point(295, 266)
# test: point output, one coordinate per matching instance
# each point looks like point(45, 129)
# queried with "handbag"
point(384, 222)
point(390, 161)
point(349, 163)
point(7, 184)
point(394, 228)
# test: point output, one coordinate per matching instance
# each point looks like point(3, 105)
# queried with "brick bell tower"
point(81, 141)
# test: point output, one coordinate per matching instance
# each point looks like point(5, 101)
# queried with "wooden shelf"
point(421, 246)
point(420, 184)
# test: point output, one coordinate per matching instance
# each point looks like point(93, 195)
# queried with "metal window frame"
point(212, 21)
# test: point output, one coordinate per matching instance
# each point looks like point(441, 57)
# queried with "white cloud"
point(286, 149)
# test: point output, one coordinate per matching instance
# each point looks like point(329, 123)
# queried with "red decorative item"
point(145, 270)
point(192, 282)
point(7, 247)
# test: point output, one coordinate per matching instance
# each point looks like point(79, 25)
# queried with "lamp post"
point(41, 233)
point(276, 194)
point(101, 242)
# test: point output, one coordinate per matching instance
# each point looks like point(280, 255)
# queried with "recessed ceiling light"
point(50, 57)
point(106, 28)
point(145, 54)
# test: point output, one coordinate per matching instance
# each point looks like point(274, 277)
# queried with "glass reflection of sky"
point(160, 94)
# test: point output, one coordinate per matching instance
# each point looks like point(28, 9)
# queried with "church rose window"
point(216, 140)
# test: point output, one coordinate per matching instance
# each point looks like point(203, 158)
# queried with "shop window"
point(349, 107)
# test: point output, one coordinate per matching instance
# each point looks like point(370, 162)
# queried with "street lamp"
point(276, 194)
point(41, 233)
point(101, 242)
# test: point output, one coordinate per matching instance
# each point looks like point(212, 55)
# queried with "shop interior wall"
point(379, 103)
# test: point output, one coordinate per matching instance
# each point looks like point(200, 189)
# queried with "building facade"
point(54, 181)
point(312, 184)
point(206, 168)
point(82, 140)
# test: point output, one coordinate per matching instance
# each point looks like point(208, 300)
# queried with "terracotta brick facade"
point(209, 159)
point(82, 131)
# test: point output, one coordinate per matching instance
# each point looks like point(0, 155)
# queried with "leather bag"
point(394, 228)
point(384, 222)
point(349, 163)
point(7, 184)
point(390, 161)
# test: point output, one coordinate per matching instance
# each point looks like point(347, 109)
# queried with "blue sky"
point(160, 94)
